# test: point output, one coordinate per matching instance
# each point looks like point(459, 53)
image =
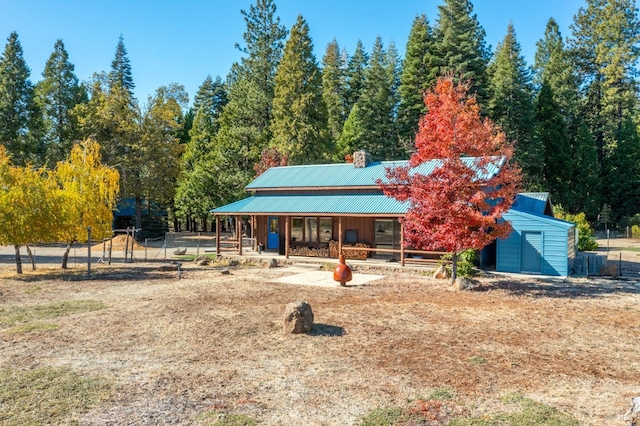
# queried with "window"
point(351, 236)
point(326, 229)
point(387, 233)
point(296, 229)
point(311, 229)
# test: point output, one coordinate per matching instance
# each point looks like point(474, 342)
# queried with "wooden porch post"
point(287, 236)
point(401, 244)
point(217, 235)
point(339, 235)
point(253, 232)
point(239, 233)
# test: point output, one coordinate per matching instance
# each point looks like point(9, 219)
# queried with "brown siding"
point(364, 226)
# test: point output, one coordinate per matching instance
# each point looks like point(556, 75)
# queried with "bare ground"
point(177, 349)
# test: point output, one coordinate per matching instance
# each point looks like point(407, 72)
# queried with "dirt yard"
point(185, 351)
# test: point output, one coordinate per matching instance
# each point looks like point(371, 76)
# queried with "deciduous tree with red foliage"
point(458, 206)
point(270, 157)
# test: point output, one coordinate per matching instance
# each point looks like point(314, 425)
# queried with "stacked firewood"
point(349, 254)
point(309, 251)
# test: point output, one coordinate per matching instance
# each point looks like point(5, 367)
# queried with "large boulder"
point(467, 284)
point(298, 318)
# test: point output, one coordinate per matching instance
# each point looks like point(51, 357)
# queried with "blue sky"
point(184, 41)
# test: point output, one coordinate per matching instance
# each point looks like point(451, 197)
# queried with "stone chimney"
point(361, 159)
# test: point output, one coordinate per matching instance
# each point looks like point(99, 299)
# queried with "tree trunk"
point(454, 267)
point(18, 260)
point(65, 255)
point(31, 258)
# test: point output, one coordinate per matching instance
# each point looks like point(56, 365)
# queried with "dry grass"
point(209, 347)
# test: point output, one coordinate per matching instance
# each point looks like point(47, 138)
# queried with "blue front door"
point(273, 238)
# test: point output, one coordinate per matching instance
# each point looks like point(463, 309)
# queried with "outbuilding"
point(539, 243)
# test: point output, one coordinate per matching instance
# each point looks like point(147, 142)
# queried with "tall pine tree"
point(511, 106)
point(198, 187)
point(605, 45)
point(460, 46)
point(58, 93)
point(120, 74)
point(244, 124)
point(377, 106)
point(299, 125)
point(333, 89)
point(20, 117)
point(551, 131)
point(355, 76)
point(418, 73)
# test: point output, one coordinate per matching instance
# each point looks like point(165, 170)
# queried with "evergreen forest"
point(573, 113)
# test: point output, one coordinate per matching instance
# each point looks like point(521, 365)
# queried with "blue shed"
point(539, 243)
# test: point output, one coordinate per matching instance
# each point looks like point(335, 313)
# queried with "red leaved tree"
point(458, 205)
point(270, 157)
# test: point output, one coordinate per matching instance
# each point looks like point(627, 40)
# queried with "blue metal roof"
point(373, 204)
point(532, 202)
point(539, 217)
point(346, 175)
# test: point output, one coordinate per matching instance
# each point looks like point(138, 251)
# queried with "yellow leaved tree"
point(88, 191)
point(29, 206)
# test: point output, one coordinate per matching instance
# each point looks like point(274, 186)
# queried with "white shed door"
point(531, 253)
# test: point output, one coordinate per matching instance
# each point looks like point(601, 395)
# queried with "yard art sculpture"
point(342, 272)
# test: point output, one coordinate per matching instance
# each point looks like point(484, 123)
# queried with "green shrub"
point(586, 234)
point(466, 263)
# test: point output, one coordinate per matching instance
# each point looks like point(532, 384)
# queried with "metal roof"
point(372, 204)
point(540, 217)
point(532, 202)
point(346, 175)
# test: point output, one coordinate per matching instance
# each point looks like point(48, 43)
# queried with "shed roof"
point(534, 202)
point(549, 220)
point(369, 204)
point(346, 175)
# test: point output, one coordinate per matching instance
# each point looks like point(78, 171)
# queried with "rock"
point(298, 318)
point(633, 415)
point(225, 271)
point(467, 284)
point(609, 270)
point(442, 273)
point(273, 263)
point(202, 261)
point(180, 251)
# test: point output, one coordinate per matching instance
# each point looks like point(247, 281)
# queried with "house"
point(539, 243)
point(323, 210)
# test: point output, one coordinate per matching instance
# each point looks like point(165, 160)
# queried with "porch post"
point(401, 244)
point(253, 232)
point(339, 236)
point(239, 233)
point(217, 235)
point(287, 235)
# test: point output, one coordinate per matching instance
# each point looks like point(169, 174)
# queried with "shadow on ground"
point(326, 330)
point(585, 288)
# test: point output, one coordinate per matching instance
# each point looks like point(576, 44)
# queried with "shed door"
point(531, 260)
